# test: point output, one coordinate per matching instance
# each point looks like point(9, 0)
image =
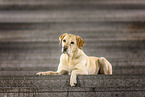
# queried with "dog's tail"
point(105, 66)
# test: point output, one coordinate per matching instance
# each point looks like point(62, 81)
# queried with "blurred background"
point(29, 32)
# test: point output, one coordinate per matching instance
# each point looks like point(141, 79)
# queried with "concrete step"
point(50, 36)
point(47, 52)
point(100, 85)
point(124, 56)
point(54, 63)
point(25, 67)
point(72, 16)
point(69, 11)
point(70, 5)
point(73, 27)
point(21, 71)
point(54, 45)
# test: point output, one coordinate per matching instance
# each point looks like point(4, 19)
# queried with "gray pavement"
point(29, 32)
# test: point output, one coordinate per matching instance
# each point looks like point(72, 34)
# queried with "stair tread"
point(73, 16)
point(61, 83)
point(70, 5)
point(21, 71)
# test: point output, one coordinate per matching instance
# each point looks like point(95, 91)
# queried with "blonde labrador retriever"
point(75, 62)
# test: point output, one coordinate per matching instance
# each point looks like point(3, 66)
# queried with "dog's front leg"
point(73, 77)
point(47, 73)
point(52, 73)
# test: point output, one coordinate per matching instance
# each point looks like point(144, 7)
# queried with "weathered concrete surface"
point(29, 32)
point(100, 85)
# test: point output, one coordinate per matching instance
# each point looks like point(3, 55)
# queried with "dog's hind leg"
point(105, 66)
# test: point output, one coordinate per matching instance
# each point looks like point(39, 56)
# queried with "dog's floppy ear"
point(61, 37)
point(80, 42)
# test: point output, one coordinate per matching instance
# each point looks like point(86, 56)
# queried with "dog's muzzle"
point(65, 49)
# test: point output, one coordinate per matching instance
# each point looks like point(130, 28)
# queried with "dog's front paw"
point(43, 73)
point(39, 73)
point(73, 83)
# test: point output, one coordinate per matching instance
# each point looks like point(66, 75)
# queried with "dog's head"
point(70, 43)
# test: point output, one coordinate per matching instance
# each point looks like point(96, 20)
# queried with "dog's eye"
point(72, 42)
point(64, 40)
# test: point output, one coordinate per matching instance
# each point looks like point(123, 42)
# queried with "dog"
point(74, 61)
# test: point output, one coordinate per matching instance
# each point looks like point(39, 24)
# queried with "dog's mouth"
point(65, 50)
point(66, 53)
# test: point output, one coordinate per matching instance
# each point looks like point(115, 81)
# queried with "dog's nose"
point(65, 48)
